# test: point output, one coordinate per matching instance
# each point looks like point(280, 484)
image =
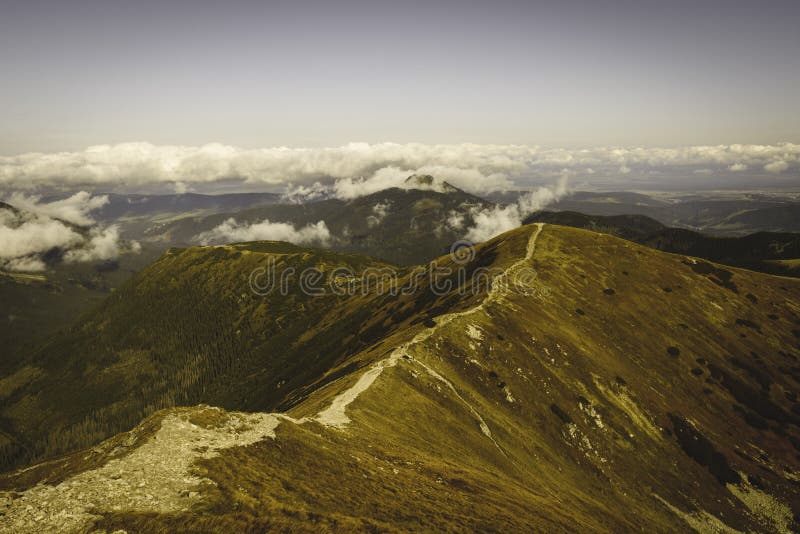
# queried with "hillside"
point(200, 334)
point(37, 303)
point(400, 226)
point(618, 388)
point(778, 219)
point(767, 252)
point(136, 213)
point(719, 213)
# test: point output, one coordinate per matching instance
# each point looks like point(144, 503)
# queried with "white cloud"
point(360, 168)
point(489, 222)
point(455, 220)
point(103, 244)
point(28, 264)
point(349, 188)
point(25, 236)
point(180, 188)
point(231, 231)
point(33, 234)
point(74, 209)
point(776, 166)
point(297, 194)
point(379, 212)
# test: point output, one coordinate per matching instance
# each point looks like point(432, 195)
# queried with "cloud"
point(776, 166)
point(103, 244)
point(26, 236)
point(74, 209)
point(360, 168)
point(298, 194)
point(349, 188)
point(29, 264)
point(455, 220)
point(180, 188)
point(29, 234)
point(489, 222)
point(379, 213)
point(231, 231)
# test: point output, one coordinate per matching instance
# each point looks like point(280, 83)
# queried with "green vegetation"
point(412, 230)
point(188, 329)
point(595, 400)
point(774, 253)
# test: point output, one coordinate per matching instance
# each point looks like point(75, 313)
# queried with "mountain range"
point(405, 226)
point(769, 252)
point(595, 384)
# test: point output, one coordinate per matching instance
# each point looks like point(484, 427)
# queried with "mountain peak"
point(428, 182)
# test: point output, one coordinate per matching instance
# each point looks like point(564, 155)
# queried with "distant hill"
point(120, 205)
point(35, 305)
point(626, 226)
point(605, 386)
point(136, 213)
point(402, 226)
point(762, 251)
point(9, 207)
point(715, 214)
point(775, 219)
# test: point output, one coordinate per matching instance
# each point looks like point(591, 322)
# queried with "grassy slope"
point(186, 330)
point(758, 251)
point(35, 307)
point(629, 387)
point(597, 434)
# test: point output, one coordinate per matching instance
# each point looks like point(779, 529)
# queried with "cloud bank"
point(489, 222)
point(30, 230)
point(74, 209)
point(361, 168)
point(231, 231)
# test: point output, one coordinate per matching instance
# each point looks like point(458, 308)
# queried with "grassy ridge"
point(623, 388)
point(187, 330)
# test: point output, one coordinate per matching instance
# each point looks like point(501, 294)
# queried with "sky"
point(324, 74)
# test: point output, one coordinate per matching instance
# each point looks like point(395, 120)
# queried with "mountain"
point(404, 226)
point(428, 182)
point(38, 302)
point(120, 205)
point(235, 349)
point(599, 385)
point(775, 219)
point(763, 251)
point(37, 305)
point(626, 226)
point(136, 213)
point(9, 207)
point(717, 213)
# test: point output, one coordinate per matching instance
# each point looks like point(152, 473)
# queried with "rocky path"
point(158, 477)
point(336, 414)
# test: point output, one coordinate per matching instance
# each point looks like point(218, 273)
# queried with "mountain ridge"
point(589, 424)
point(760, 251)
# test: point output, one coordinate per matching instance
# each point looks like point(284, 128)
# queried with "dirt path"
point(155, 477)
point(158, 476)
point(335, 415)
